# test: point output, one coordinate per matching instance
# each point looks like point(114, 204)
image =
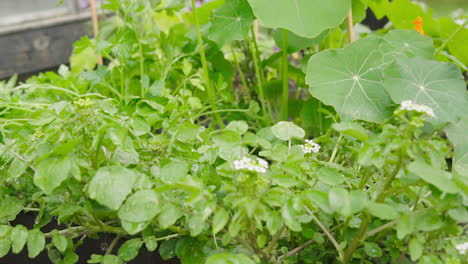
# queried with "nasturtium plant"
point(243, 131)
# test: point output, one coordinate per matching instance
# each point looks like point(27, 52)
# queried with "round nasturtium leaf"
point(411, 43)
point(439, 85)
point(349, 79)
point(306, 18)
point(111, 185)
point(141, 206)
point(231, 21)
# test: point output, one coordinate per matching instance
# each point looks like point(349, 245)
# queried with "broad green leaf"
point(438, 85)
point(84, 57)
point(405, 226)
point(290, 217)
point(229, 258)
point(51, 172)
point(330, 176)
point(141, 206)
point(437, 177)
point(134, 228)
point(295, 42)
point(457, 132)
point(428, 221)
point(287, 131)
point(231, 22)
point(111, 185)
point(5, 245)
point(306, 18)
point(459, 214)
point(139, 125)
point(349, 79)
point(411, 43)
point(372, 250)
point(5, 230)
point(382, 211)
point(129, 250)
point(169, 215)
point(10, 207)
point(416, 248)
point(352, 129)
point(188, 132)
point(220, 219)
point(36, 243)
point(238, 126)
point(174, 171)
point(60, 242)
point(18, 237)
point(111, 259)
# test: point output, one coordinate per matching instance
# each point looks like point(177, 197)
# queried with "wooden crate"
point(38, 35)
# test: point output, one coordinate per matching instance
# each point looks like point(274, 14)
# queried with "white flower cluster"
point(259, 165)
point(310, 146)
point(462, 248)
point(411, 106)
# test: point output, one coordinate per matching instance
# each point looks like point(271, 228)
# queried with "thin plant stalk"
point(95, 25)
point(206, 73)
point(258, 73)
point(350, 26)
point(285, 63)
point(241, 75)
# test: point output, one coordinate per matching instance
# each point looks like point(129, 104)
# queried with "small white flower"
point(411, 106)
point(310, 146)
point(462, 248)
point(259, 165)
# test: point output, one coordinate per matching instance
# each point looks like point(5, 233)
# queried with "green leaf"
point(456, 132)
point(139, 125)
point(229, 258)
point(36, 242)
point(188, 132)
point(306, 18)
point(111, 259)
point(238, 126)
point(5, 245)
point(95, 259)
point(437, 177)
point(416, 248)
point(330, 176)
point(372, 250)
point(459, 214)
point(129, 250)
point(295, 42)
point(231, 22)
point(51, 172)
point(10, 207)
point(287, 131)
point(438, 85)
point(141, 206)
point(382, 211)
point(349, 79)
point(289, 215)
point(84, 57)
point(174, 170)
point(169, 215)
point(220, 220)
point(411, 43)
point(18, 237)
point(352, 129)
point(111, 185)
point(405, 226)
point(60, 242)
point(134, 228)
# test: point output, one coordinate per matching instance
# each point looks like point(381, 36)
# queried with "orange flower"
point(418, 25)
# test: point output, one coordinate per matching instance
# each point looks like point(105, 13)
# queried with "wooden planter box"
point(38, 35)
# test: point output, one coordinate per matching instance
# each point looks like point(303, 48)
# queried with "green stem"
point(206, 73)
point(285, 63)
point(241, 75)
point(445, 43)
point(348, 254)
point(258, 72)
point(142, 69)
point(113, 244)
